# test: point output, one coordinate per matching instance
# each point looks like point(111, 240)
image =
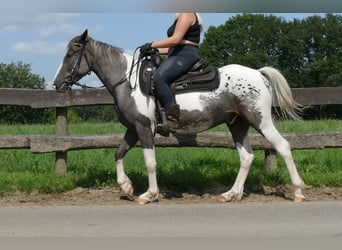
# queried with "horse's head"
point(75, 64)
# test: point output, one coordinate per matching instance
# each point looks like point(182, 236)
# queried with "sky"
point(39, 35)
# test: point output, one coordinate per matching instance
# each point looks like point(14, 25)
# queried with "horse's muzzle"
point(62, 88)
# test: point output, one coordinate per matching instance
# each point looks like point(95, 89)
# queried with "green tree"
point(250, 40)
point(312, 51)
point(97, 113)
point(19, 75)
point(323, 51)
point(307, 51)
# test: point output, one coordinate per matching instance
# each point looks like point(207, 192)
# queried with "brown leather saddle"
point(201, 77)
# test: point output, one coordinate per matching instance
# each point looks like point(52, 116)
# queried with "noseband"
point(70, 78)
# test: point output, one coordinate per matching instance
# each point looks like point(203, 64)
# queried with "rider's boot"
point(172, 114)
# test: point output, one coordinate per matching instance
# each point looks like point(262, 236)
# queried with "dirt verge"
point(113, 196)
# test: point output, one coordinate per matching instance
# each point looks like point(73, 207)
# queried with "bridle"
point(70, 78)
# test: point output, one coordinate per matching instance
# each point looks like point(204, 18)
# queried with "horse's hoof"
point(143, 201)
point(298, 195)
point(222, 199)
point(299, 199)
point(229, 196)
point(128, 190)
point(130, 194)
point(147, 197)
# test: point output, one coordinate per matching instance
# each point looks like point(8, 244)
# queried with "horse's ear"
point(84, 36)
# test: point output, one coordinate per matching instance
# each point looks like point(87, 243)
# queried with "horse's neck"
point(110, 68)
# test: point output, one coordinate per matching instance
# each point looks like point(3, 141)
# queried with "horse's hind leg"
point(283, 148)
point(129, 140)
point(239, 131)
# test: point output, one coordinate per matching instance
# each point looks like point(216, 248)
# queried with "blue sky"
point(38, 36)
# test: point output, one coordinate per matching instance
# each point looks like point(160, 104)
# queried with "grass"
point(179, 169)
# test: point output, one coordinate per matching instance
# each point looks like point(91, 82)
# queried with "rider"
point(181, 47)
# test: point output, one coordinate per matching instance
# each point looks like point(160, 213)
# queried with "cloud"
point(65, 29)
point(10, 23)
point(55, 17)
point(42, 34)
point(8, 28)
point(14, 22)
point(40, 47)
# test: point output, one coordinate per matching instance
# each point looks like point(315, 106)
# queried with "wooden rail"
point(56, 143)
point(62, 142)
point(79, 97)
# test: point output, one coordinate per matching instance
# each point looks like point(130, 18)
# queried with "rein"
point(133, 64)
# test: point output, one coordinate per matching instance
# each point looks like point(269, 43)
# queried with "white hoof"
point(298, 195)
point(127, 189)
point(229, 196)
point(148, 197)
point(299, 198)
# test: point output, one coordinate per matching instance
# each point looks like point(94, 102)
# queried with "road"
point(271, 219)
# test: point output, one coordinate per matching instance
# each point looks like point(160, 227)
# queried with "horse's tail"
point(289, 108)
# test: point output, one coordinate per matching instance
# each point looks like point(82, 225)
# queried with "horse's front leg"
point(152, 193)
point(147, 143)
point(129, 140)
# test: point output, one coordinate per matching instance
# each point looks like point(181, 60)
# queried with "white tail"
point(289, 108)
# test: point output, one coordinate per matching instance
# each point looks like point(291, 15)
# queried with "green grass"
point(179, 169)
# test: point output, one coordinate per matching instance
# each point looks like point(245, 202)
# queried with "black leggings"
point(180, 59)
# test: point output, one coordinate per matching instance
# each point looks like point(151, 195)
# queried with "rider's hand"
point(145, 48)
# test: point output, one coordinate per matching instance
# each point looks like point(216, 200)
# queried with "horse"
point(243, 99)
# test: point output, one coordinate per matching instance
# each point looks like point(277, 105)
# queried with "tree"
point(323, 39)
point(307, 51)
point(248, 39)
point(18, 75)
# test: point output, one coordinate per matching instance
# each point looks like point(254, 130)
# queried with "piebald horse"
point(243, 99)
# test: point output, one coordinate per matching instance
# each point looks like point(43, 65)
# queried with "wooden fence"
point(63, 142)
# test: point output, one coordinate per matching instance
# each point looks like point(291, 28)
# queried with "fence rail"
point(62, 142)
point(79, 97)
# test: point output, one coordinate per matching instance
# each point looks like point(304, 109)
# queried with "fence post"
point(61, 129)
point(270, 160)
point(271, 156)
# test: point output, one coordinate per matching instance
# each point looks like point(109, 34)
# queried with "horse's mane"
point(104, 49)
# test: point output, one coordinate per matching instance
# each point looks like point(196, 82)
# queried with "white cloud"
point(43, 34)
point(10, 23)
point(8, 28)
point(15, 22)
point(40, 47)
point(65, 29)
point(55, 17)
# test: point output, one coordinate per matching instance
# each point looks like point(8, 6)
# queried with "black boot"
point(172, 115)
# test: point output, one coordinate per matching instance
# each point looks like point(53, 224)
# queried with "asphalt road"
point(278, 219)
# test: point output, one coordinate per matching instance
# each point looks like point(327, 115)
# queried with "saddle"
point(201, 77)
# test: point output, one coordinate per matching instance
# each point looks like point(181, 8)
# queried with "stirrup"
point(163, 128)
